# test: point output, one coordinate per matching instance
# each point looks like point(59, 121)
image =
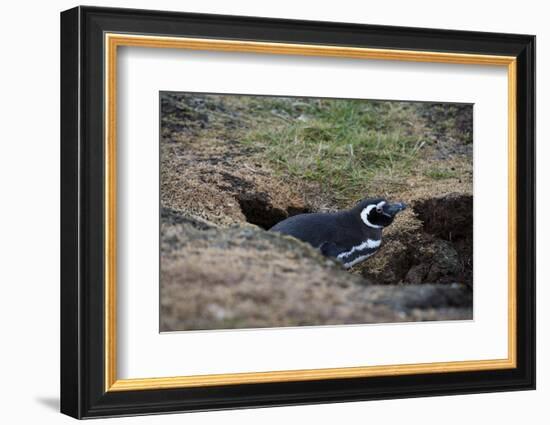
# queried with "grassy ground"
point(349, 148)
point(230, 160)
point(340, 144)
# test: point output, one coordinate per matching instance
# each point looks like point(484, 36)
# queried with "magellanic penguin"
point(349, 236)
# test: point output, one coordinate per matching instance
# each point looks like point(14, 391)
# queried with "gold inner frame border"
point(111, 43)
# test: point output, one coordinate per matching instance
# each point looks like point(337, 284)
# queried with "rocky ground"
point(221, 187)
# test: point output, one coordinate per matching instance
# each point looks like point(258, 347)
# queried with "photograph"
point(303, 211)
point(261, 211)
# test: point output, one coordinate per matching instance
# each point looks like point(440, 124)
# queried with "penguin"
point(349, 236)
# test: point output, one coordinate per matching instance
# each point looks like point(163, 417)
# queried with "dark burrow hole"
point(449, 219)
point(258, 210)
point(441, 251)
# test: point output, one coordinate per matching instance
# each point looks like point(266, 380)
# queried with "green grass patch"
point(440, 174)
point(340, 144)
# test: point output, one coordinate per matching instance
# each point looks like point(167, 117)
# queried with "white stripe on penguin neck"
point(357, 260)
point(365, 215)
point(369, 244)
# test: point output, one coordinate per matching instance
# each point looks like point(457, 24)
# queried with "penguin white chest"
point(359, 252)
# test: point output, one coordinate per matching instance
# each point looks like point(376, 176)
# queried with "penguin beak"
point(393, 209)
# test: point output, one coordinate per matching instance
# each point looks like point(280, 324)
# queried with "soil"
point(432, 245)
point(244, 277)
point(220, 268)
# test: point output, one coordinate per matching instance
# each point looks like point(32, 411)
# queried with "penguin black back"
point(350, 236)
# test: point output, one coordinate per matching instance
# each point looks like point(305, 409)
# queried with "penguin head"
point(377, 212)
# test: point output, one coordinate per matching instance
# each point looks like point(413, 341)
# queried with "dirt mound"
point(438, 249)
point(447, 217)
point(207, 171)
point(242, 276)
point(221, 182)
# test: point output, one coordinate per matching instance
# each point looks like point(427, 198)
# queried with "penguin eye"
point(378, 209)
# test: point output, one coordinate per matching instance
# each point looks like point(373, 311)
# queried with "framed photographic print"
point(261, 212)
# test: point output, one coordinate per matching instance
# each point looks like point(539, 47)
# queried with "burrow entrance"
point(258, 210)
point(440, 251)
point(450, 219)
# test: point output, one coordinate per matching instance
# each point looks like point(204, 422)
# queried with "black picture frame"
point(83, 392)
